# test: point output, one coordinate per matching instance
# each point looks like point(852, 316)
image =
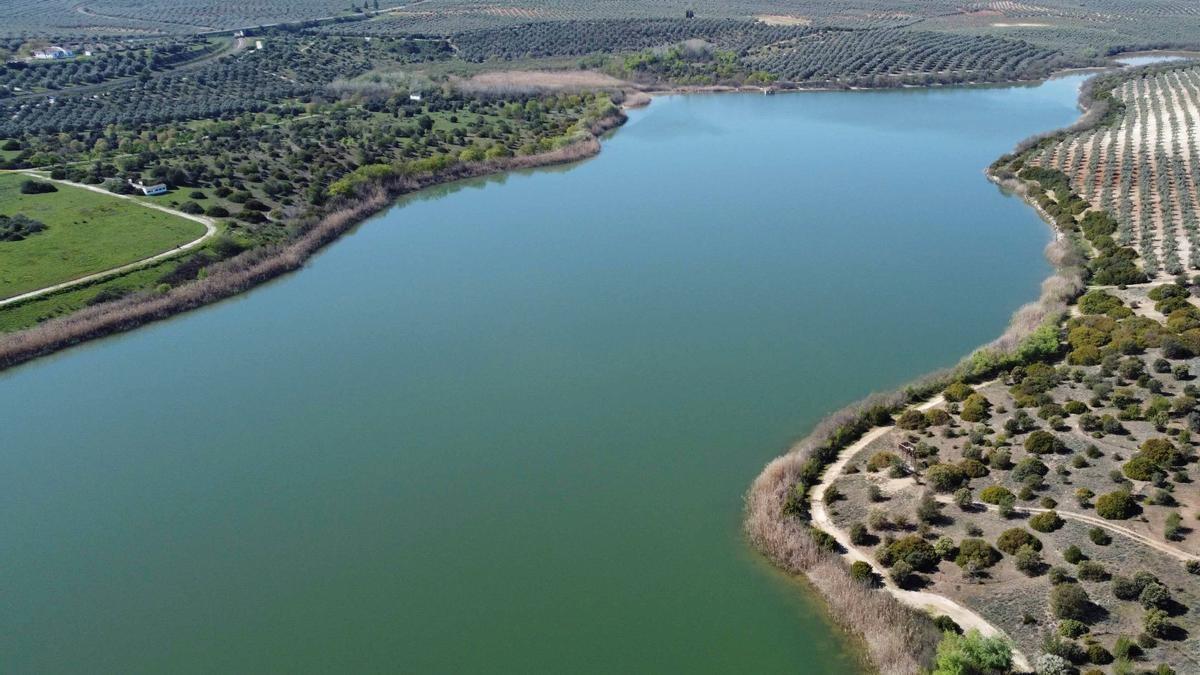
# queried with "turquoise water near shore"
point(506, 426)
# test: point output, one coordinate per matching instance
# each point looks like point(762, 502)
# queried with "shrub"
point(861, 571)
point(1099, 536)
point(1125, 588)
point(1073, 555)
point(972, 653)
point(973, 468)
point(1046, 522)
point(1154, 595)
point(1028, 560)
point(962, 497)
point(217, 211)
point(901, 573)
point(975, 408)
point(1070, 628)
point(1043, 443)
point(1118, 505)
point(945, 477)
point(1155, 623)
point(1125, 648)
point(1192, 566)
point(976, 552)
point(1011, 540)
point(1059, 575)
point(994, 494)
point(1098, 655)
point(1070, 601)
point(881, 460)
point(1090, 570)
point(1029, 467)
point(1139, 468)
point(823, 539)
point(36, 187)
point(912, 419)
point(957, 392)
point(913, 550)
point(859, 534)
point(947, 625)
point(1000, 459)
point(1052, 664)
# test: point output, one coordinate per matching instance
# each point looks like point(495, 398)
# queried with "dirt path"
point(938, 604)
point(1098, 522)
point(210, 230)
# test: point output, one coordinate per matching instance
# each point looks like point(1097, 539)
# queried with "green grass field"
point(86, 232)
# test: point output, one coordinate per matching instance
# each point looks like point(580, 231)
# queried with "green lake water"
point(506, 427)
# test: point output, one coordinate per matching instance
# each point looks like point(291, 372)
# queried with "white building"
point(414, 97)
point(150, 190)
point(53, 53)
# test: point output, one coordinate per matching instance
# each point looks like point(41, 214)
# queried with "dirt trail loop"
point(210, 230)
point(1098, 522)
point(931, 602)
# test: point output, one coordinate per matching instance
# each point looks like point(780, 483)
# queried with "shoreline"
point(786, 542)
point(241, 273)
point(781, 536)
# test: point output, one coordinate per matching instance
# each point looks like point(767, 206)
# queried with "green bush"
point(1028, 467)
point(957, 392)
point(1046, 522)
point(1139, 468)
point(973, 468)
point(1070, 601)
point(1099, 536)
point(994, 494)
point(881, 460)
point(1043, 443)
point(972, 653)
point(977, 553)
point(912, 420)
point(1098, 655)
point(1118, 505)
point(1154, 595)
point(1070, 628)
point(861, 571)
point(1011, 540)
point(913, 550)
point(1090, 570)
point(1073, 555)
point(975, 408)
point(945, 477)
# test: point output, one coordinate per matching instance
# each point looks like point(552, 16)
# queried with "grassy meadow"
point(86, 232)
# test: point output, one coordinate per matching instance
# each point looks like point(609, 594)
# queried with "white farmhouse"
point(53, 53)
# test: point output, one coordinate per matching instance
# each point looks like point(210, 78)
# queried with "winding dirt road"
point(929, 602)
point(210, 230)
point(1098, 522)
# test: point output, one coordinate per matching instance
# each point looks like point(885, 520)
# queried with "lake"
point(506, 426)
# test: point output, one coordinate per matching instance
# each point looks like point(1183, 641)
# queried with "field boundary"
point(210, 230)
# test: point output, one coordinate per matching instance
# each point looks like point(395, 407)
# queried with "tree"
point(972, 654)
